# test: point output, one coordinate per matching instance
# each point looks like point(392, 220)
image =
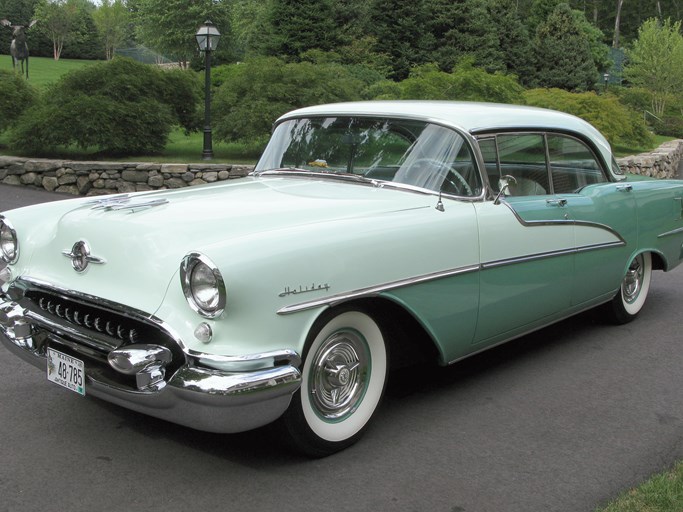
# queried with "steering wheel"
point(450, 178)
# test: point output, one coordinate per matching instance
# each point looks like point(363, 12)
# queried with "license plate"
point(66, 371)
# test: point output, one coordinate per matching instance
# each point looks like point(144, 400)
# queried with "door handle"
point(556, 202)
point(625, 188)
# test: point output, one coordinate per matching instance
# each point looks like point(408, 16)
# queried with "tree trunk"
point(617, 23)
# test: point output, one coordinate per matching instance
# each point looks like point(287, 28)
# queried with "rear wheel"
point(343, 379)
point(634, 289)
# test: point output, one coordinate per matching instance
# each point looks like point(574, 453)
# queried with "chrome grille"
point(79, 315)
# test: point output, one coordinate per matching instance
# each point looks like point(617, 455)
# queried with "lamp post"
point(207, 39)
point(606, 78)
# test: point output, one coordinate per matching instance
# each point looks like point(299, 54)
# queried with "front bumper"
point(202, 398)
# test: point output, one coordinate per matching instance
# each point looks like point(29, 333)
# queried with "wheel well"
point(407, 341)
point(658, 262)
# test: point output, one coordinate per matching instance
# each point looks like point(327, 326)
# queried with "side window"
point(488, 153)
point(572, 164)
point(522, 156)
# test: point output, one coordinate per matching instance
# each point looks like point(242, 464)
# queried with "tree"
point(399, 28)
point(169, 26)
point(513, 38)
point(56, 20)
point(656, 61)
point(297, 26)
point(562, 53)
point(111, 20)
point(460, 29)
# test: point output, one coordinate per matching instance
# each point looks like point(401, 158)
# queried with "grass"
point(620, 151)
point(661, 493)
point(43, 70)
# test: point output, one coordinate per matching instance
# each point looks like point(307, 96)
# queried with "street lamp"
point(207, 39)
point(606, 78)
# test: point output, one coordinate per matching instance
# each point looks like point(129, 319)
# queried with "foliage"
point(118, 107)
point(259, 90)
point(169, 26)
point(111, 20)
point(656, 61)
point(562, 53)
point(463, 28)
point(465, 83)
point(57, 18)
point(598, 49)
point(300, 25)
point(16, 95)
point(616, 122)
point(399, 28)
point(513, 38)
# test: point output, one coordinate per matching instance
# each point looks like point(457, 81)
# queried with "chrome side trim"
point(671, 233)
point(374, 290)
point(550, 254)
point(562, 222)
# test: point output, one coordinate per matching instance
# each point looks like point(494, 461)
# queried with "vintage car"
point(370, 235)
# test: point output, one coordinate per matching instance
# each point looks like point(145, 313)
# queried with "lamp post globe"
point(207, 40)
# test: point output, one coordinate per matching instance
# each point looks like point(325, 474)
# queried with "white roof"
point(471, 117)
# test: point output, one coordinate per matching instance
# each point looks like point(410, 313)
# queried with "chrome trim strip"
point(550, 254)
point(529, 257)
point(671, 233)
point(290, 357)
point(374, 290)
point(560, 222)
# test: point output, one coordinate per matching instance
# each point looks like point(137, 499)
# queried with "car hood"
point(140, 239)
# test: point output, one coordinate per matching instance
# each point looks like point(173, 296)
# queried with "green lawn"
point(43, 71)
point(661, 493)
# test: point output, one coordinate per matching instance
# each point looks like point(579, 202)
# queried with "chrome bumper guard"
point(201, 398)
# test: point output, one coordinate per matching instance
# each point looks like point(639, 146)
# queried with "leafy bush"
point(16, 95)
point(465, 83)
point(254, 93)
point(671, 126)
point(120, 107)
point(618, 124)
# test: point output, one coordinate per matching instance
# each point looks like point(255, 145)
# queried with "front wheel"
point(634, 288)
point(343, 379)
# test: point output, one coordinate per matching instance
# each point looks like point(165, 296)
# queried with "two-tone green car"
point(370, 235)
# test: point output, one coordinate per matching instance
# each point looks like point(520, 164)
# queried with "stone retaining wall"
point(98, 178)
point(663, 162)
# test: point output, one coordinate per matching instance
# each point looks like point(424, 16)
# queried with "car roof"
point(472, 117)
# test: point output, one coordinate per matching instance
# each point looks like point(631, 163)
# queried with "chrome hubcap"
point(633, 280)
point(339, 375)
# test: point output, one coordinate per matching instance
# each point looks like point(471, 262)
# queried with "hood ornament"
point(80, 256)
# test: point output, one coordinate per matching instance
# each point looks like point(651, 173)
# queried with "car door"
point(527, 241)
point(605, 216)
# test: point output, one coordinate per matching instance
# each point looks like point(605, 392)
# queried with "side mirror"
point(504, 187)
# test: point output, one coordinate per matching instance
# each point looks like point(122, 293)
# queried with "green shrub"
point(671, 126)
point(618, 124)
point(255, 92)
point(465, 83)
point(16, 95)
point(120, 107)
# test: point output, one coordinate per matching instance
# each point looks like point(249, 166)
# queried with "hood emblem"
point(80, 256)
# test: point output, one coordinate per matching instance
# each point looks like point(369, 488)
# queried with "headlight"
point(203, 285)
point(8, 242)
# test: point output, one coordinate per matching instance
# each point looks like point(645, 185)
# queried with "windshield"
point(401, 151)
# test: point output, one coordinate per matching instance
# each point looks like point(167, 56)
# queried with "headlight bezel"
point(196, 262)
point(6, 228)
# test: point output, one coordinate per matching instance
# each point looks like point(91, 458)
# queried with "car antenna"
point(439, 204)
